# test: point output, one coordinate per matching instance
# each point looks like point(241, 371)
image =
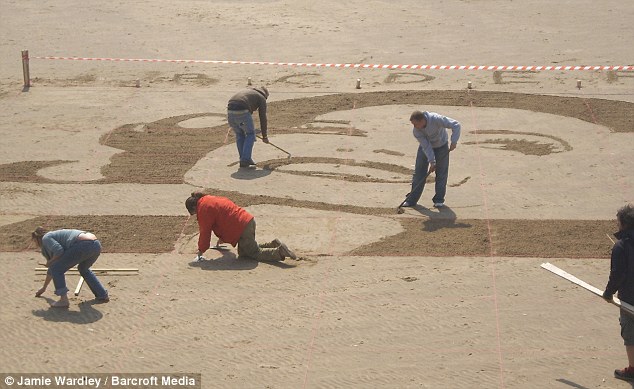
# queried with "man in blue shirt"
point(430, 129)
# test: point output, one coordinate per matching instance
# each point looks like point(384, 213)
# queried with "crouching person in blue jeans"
point(64, 249)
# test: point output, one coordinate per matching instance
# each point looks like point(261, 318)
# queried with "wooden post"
point(25, 68)
point(79, 285)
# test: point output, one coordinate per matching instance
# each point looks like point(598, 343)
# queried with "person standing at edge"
point(239, 115)
point(621, 280)
point(64, 249)
point(233, 225)
point(433, 154)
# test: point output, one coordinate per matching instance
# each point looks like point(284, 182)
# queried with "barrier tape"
point(354, 65)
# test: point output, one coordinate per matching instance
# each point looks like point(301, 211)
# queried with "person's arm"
point(618, 271)
point(263, 121)
point(43, 288)
point(448, 122)
point(205, 229)
point(425, 145)
point(52, 260)
point(429, 153)
point(52, 248)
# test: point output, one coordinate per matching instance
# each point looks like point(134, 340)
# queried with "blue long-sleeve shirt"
point(435, 134)
point(54, 243)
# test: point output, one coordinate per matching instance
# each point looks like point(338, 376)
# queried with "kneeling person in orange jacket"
point(233, 225)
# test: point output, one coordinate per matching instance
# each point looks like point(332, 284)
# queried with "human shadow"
point(229, 261)
point(439, 218)
point(87, 313)
point(245, 173)
point(574, 384)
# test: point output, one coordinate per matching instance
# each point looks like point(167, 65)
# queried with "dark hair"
point(416, 116)
point(625, 215)
point(192, 202)
point(38, 234)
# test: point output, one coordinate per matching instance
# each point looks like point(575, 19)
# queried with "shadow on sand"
point(87, 313)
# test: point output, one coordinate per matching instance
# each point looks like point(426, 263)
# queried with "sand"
point(427, 299)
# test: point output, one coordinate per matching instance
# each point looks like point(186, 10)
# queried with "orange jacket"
point(222, 217)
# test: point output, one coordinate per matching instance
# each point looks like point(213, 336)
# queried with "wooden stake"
point(554, 269)
point(26, 73)
point(79, 285)
point(609, 237)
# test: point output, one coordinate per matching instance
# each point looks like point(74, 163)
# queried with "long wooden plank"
point(94, 269)
point(104, 273)
point(554, 269)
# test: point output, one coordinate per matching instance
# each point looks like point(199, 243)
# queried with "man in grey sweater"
point(430, 129)
point(239, 115)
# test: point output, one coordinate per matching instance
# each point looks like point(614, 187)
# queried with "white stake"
point(79, 285)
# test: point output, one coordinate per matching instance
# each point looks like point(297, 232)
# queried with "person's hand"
point(265, 139)
point(40, 292)
point(453, 146)
point(432, 168)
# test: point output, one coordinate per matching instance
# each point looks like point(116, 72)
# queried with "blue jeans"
point(420, 174)
point(241, 122)
point(82, 253)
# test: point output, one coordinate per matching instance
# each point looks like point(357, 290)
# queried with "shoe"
point(248, 163)
point(102, 300)
point(439, 205)
point(275, 243)
point(286, 252)
point(626, 374)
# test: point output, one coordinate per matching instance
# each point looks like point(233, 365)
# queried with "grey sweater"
point(252, 99)
point(434, 134)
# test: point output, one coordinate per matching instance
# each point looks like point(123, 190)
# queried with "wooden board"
point(554, 269)
point(95, 269)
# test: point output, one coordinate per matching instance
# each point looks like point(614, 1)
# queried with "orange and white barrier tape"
point(356, 65)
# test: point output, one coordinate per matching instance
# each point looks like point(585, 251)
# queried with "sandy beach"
point(430, 298)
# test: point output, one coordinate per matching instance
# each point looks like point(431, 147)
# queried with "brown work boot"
point(286, 252)
point(275, 243)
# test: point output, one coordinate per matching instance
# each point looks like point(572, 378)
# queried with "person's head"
point(625, 217)
point(263, 91)
point(417, 118)
point(192, 202)
point(38, 234)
